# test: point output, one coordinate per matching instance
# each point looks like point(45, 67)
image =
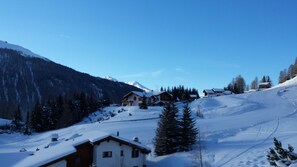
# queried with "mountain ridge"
point(26, 79)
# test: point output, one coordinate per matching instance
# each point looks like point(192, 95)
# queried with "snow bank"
point(237, 130)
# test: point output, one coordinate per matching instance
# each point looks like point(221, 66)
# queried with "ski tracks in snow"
point(252, 147)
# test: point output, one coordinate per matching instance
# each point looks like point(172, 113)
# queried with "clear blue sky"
point(201, 44)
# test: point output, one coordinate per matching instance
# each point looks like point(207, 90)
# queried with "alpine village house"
point(91, 149)
point(135, 98)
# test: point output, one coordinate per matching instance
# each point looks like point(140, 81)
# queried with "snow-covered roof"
point(227, 92)
point(264, 83)
point(146, 94)
point(24, 52)
point(193, 95)
point(66, 146)
point(209, 91)
point(218, 90)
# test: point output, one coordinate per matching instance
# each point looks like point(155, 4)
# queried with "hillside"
point(27, 78)
point(237, 129)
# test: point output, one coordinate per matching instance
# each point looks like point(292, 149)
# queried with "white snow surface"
point(237, 130)
point(24, 52)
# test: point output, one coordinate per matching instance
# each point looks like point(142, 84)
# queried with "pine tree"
point(166, 139)
point(188, 130)
point(27, 126)
point(17, 119)
point(294, 70)
point(290, 72)
point(279, 155)
point(282, 76)
point(263, 80)
point(255, 84)
point(36, 118)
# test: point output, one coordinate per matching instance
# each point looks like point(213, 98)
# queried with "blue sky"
point(201, 44)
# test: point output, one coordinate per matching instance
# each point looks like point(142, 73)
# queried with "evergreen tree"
point(36, 118)
point(255, 84)
point(166, 139)
point(188, 130)
point(83, 105)
point(27, 126)
point(263, 79)
point(290, 72)
point(279, 155)
point(237, 85)
point(294, 70)
point(17, 120)
point(282, 76)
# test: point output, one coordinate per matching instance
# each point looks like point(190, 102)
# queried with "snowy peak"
point(134, 83)
point(138, 85)
point(24, 52)
point(110, 78)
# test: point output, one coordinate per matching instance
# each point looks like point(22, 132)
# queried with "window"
point(107, 154)
point(77, 160)
point(135, 153)
point(134, 98)
point(122, 153)
point(139, 99)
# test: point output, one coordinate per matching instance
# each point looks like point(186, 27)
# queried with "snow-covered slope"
point(25, 52)
point(291, 82)
point(138, 85)
point(236, 131)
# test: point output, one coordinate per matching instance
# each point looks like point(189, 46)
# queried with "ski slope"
point(236, 130)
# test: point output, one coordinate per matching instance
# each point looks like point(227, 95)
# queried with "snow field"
point(237, 130)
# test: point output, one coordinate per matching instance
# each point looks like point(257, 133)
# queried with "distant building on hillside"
point(216, 92)
point(134, 98)
point(94, 149)
point(194, 97)
point(264, 85)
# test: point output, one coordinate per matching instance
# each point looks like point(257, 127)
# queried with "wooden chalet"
point(264, 85)
point(216, 92)
point(135, 98)
point(93, 149)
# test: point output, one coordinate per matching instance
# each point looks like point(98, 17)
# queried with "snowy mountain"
point(138, 85)
point(111, 78)
point(237, 130)
point(27, 78)
point(134, 83)
point(23, 51)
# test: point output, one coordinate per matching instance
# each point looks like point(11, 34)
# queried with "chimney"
point(118, 133)
point(136, 139)
point(55, 137)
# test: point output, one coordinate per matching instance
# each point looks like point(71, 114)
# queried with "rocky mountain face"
point(25, 80)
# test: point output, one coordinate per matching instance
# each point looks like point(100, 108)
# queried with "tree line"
point(180, 93)
point(62, 112)
point(55, 113)
point(238, 84)
point(287, 74)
